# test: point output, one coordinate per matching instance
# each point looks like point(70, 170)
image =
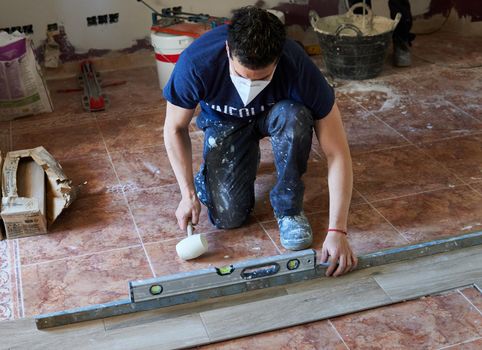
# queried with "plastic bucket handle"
point(366, 9)
point(344, 26)
point(397, 19)
point(313, 16)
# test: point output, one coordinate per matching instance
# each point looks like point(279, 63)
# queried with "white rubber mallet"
point(192, 246)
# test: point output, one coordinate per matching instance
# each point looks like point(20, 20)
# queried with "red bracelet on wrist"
point(337, 230)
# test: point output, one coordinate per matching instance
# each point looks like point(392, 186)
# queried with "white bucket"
point(168, 48)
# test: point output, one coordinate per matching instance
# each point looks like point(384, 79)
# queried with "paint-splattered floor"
point(416, 141)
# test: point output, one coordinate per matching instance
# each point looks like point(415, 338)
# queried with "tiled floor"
point(416, 141)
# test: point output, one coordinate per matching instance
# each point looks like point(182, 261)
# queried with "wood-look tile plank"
point(171, 333)
point(428, 275)
point(284, 311)
point(23, 334)
point(139, 318)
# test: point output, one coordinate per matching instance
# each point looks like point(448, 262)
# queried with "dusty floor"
point(416, 141)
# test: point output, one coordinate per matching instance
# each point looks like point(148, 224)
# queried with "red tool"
point(93, 100)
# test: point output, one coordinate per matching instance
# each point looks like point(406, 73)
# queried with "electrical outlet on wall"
point(91, 21)
point(52, 27)
point(102, 19)
point(113, 17)
point(26, 29)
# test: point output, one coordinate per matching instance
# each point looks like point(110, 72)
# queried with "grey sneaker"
point(401, 54)
point(295, 232)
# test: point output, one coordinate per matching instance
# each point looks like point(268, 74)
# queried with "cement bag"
point(22, 88)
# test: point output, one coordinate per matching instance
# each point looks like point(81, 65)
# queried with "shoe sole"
point(297, 246)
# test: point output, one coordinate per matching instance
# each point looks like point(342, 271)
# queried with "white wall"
point(133, 23)
point(24, 12)
point(134, 18)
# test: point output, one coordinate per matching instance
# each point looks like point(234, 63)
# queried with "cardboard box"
point(35, 191)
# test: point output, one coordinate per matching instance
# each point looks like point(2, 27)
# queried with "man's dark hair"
point(255, 37)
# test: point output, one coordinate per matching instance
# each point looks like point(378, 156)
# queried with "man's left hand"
point(336, 250)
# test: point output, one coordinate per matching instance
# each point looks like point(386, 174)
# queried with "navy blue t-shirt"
point(201, 75)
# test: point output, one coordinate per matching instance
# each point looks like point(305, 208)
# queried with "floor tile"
point(434, 215)
point(429, 323)
point(225, 247)
point(367, 231)
point(68, 117)
point(137, 132)
point(378, 95)
point(425, 121)
point(449, 49)
point(366, 133)
point(4, 144)
point(474, 295)
point(477, 187)
point(414, 112)
point(92, 224)
point(154, 213)
point(64, 143)
point(462, 156)
point(317, 335)
point(91, 175)
point(150, 167)
point(4, 137)
point(398, 172)
point(82, 281)
point(65, 104)
point(140, 94)
point(462, 87)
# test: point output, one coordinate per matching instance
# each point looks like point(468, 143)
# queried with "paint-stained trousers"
point(225, 182)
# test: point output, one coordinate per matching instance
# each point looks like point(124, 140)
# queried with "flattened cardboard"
point(24, 216)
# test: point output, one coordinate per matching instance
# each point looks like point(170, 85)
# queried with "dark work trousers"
point(225, 182)
point(402, 31)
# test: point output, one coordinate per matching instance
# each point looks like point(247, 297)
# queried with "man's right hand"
point(189, 208)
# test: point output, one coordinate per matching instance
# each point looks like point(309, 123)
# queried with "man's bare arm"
point(179, 150)
point(332, 138)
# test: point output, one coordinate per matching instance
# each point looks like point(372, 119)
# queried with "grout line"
point(470, 302)
point(460, 109)
point(442, 165)
point(83, 255)
point(267, 234)
point(204, 325)
point(383, 216)
point(446, 188)
point(475, 189)
point(373, 113)
point(464, 342)
point(10, 139)
point(338, 333)
point(18, 268)
point(125, 200)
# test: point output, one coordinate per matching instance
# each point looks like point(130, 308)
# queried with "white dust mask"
point(248, 89)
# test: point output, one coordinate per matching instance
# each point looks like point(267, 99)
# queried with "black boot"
point(401, 54)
